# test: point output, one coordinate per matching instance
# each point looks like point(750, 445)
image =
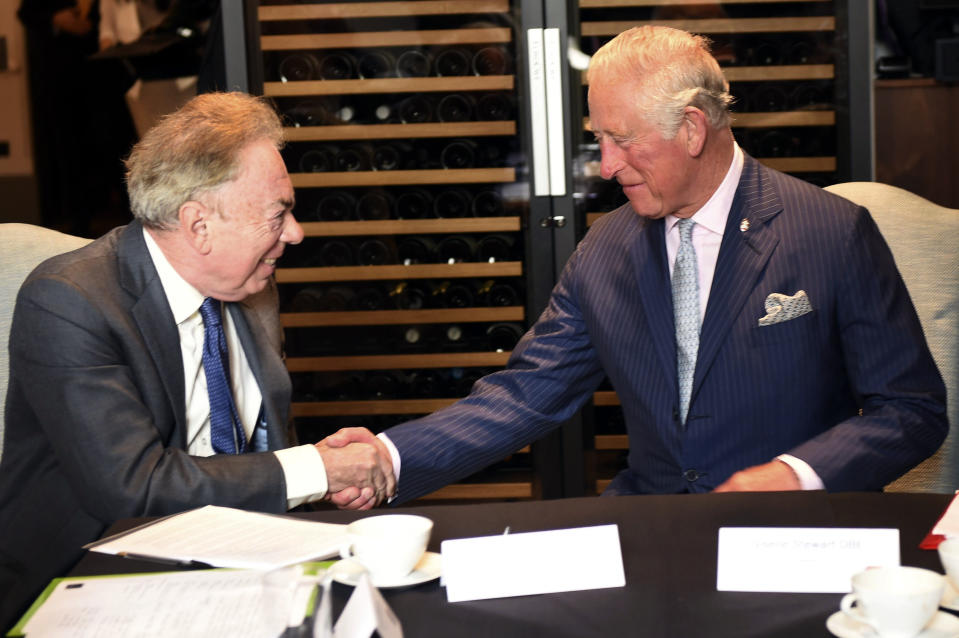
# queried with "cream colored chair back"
point(924, 238)
point(22, 248)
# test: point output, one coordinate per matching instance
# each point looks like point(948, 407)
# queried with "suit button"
point(691, 475)
point(675, 415)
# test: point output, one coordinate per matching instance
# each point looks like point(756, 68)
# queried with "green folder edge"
point(309, 568)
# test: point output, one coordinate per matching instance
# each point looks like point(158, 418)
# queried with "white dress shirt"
point(302, 466)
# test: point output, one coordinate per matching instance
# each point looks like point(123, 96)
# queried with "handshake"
point(359, 469)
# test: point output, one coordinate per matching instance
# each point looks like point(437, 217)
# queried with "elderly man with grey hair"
point(145, 368)
point(755, 327)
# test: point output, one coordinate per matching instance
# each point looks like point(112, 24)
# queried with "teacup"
point(388, 546)
point(897, 602)
point(949, 556)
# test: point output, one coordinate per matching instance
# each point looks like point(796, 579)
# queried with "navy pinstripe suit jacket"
point(795, 387)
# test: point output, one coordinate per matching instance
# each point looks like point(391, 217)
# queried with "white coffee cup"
point(388, 546)
point(949, 556)
point(898, 602)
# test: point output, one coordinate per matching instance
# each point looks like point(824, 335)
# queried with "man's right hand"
point(358, 468)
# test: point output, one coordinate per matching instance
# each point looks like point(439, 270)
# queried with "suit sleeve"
point(890, 369)
point(91, 384)
point(550, 374)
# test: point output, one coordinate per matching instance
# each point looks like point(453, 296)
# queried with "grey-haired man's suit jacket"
point(95, 412)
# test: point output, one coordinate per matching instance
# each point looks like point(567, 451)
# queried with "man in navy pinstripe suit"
point(811, 370)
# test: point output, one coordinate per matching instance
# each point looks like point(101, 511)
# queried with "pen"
point(193, 564)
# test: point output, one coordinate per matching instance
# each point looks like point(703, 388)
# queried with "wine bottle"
point(453, 202)
point(455, 249)
point(494, 107)
point(415, 203)
point(375, 252)
point(376, 64)
point(776, 144)
point(416, 337)
point(320, 159)
point(455, 336)
point(429, 383)
point(492, 60)
point(308, 299)
point(453, 61)
point(375, 204)
point(458, 154)
point(337, 299)
point(415, 249)
point(409, 296)
point(381, 384)
point(487, 203)
point(769, 97)
point(446, 294)
point(335, 206)
point(308, 113)
point(391, 156)
point(370, 298)
point(335, 252)
point(463, 383)
point(337, 65)
point(353, 158)
point(456, 107)
point(495, 248)
point(415, 109)
point(413, 64)
point(494, 293)
point(808, 97)
point(298, 67)
point(502, 337)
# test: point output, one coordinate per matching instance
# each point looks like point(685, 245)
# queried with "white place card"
point(367, 611)
point(532, 563)
point(800, 559)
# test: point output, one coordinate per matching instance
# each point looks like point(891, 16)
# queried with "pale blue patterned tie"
point(686, 313)
point(226, 431)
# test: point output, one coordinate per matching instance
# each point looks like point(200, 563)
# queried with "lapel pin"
point(744, 225)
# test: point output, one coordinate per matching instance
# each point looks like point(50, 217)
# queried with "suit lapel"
point(742, 257)
point(153, 317)
point(648, 254)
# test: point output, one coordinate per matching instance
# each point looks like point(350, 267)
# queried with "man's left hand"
point(768, 477)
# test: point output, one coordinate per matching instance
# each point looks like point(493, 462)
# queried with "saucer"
point(943, 625)
point(348, 572)
point(950, 597)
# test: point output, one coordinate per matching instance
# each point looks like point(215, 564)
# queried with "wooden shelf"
point(378, 9)
point(363, 408)
point(399, 317)
point(720, 25)
point(605, 398)
point(412, 226)
point(391, 85)
point(602, 484)
point(609, 4)
point(592, 217)
point(773, 73)
point(784, 118)
point(404, 178)
point(612, 441)
point(470, 491)
point(413, 271)
point(398, 361)
point(397, 131)
point(800, 164)
point(384, 39)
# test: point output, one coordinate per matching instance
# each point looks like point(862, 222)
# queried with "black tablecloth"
point(669, 546)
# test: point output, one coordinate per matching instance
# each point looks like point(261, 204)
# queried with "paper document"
point(207, 604)
point(226, 537)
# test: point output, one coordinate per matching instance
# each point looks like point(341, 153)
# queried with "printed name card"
point(800, 559)
point(532, 563)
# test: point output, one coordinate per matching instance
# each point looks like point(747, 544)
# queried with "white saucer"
point(943, 625)
point(950, 597)
point(348, 572)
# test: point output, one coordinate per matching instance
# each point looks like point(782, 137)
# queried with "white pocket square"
point(780, 307)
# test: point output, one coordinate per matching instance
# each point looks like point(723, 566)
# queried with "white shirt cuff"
point(808, 479)
point(395, 458)
point(305, 474)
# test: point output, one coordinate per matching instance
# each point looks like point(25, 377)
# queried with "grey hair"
point(669, 69)
point(192, 151)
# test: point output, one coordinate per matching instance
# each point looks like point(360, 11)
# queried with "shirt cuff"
point(305, 474)
point(395, 458)
point(808, 479)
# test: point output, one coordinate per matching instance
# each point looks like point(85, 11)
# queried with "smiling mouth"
point(269, 261)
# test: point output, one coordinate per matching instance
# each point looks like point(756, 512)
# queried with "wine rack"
point(402, 145)
point(783, 62)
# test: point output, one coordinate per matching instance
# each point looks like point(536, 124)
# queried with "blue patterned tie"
point(686, 313)
point(226, 431)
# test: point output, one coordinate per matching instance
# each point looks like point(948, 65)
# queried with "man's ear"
point(195, 224)
point(695, 130)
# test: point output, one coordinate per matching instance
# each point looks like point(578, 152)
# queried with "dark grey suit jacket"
point(794, 387)
point(95, 412)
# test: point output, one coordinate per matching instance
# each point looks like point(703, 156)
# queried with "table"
point(669, 546)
